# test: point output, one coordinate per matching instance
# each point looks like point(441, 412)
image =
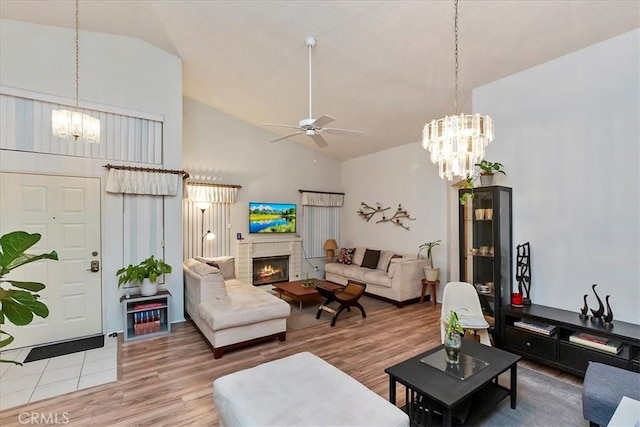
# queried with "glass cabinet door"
point(486, 249)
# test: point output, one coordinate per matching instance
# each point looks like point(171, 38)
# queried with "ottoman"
point(300, 390)
point(603, 389)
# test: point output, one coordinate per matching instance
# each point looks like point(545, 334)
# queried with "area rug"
point(542, 401)
point(300, 320)
point(62, 348)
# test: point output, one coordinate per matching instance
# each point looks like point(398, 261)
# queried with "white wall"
point(401, 175)
point(223, 149)
point(568, 134)
point(117, 72)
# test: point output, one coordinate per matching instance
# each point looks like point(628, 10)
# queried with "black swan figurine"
point(584, 311)
point(597, 314)
point(608, 318)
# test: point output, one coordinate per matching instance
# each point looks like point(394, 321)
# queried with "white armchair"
point(462, 298)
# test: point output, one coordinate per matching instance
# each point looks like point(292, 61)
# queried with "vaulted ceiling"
point(384, 67)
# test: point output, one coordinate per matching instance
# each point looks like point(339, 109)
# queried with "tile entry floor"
point(55, 376)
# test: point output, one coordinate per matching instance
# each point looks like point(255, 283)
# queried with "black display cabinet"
point(486, 249)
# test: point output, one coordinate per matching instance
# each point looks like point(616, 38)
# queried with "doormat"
point(62, 348)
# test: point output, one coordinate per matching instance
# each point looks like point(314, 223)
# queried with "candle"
point(516, 299)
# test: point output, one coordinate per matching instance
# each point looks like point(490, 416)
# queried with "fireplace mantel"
point(250, 248)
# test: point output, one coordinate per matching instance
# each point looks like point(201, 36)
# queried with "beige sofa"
point(228, 312)
point(398, 280)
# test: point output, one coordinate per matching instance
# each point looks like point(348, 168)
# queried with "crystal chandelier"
point(64, 122)
point(457, 142)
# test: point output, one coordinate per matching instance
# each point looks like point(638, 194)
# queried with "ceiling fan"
point(314, 127)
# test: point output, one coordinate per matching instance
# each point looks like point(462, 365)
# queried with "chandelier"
point(457, 142)
point(75, 123)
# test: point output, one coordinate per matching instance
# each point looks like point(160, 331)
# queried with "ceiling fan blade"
point(349, 132)
point(319, 140)
point(280, 126)
point(286, 136)
point(322, 121)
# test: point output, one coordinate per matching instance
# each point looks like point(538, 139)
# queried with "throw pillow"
point(213, 286)
point(370, 259)
point(346, 256)
point(227, 266)
point(394, 256)
point(358, 256)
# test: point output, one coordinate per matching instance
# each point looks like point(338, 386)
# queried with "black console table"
point(557, 350)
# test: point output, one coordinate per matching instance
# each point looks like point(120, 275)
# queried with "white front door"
point(66, 212)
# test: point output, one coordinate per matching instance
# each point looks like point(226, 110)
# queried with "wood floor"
point(167, 381)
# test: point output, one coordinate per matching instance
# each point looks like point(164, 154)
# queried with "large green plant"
point(429, 247)
point(19, 302)
point(150, 269)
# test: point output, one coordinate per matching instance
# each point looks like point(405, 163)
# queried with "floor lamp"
point(208, 235)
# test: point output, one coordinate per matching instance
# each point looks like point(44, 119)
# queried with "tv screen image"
point(272, 217)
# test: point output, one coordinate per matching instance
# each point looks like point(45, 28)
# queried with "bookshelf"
point(146, 317)
point(561, 339)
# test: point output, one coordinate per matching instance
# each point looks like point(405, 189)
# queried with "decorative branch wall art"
point(398, 217)
point(367, 212)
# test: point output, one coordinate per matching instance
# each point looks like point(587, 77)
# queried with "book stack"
point(539, 328)
point(598, 343)
point(146, 319)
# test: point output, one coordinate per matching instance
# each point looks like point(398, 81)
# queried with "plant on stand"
point(145, 274)
point(20, 302)
point(453, 338)
point(488, 169)
point(430, 273)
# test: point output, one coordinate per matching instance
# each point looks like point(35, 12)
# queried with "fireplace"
point(268, 270)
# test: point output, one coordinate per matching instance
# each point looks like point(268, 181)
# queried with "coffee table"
point(429, 390)
point(299, 293)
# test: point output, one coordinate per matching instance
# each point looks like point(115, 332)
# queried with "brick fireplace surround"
point(258, 247)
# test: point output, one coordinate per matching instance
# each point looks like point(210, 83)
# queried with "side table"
point(426, 283)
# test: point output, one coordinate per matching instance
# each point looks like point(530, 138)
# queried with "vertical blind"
point(25, 125)
point(320, 220)
point(216, 217)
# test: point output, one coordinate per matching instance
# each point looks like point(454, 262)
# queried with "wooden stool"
point(425, 283)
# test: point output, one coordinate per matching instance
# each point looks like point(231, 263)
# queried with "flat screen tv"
point(272, 217)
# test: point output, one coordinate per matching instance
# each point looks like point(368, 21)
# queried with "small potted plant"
point(430, 273)
point(488, 169)
point(453, 338)
point(145, 275)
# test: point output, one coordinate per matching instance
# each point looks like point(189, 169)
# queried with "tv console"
point(557, 350)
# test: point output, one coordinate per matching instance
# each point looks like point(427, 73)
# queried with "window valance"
point(148, 182)
point(212, 193)
point(321, 198)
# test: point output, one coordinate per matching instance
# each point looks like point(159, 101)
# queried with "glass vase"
point(452, 344)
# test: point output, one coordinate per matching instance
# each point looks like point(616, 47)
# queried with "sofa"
point(228, 312)
point(390, 276)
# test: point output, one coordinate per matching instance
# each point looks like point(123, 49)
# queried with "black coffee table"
point(430, 391)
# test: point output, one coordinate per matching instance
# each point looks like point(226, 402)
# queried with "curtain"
point(212, 193)
point(139, 182)
point(310, 198)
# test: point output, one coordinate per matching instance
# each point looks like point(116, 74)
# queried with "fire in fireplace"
point(269, 270)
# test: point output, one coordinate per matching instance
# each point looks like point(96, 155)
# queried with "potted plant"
point(488, 169)
point(430, 273)
point(468, 182)
point(19, 302)
point(453, 338)
point(144, 274)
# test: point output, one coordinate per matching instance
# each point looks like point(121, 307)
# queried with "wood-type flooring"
point(167, 381)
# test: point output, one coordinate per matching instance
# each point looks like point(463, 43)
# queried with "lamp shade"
point(330, 244)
